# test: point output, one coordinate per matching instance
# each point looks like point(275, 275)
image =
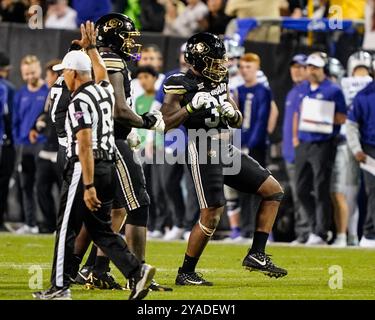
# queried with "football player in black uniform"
point(200, 100)
point(116, 41)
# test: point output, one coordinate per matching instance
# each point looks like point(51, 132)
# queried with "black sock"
point(92, 256)
point(259, 242)
point(189, 264)
point(76, 261)
point(101, 264)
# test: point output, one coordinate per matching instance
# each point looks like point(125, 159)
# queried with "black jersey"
point(114, 63)
point(59, 102)
point(191, 86)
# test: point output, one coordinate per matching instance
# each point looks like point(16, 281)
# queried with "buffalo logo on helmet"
point(112, 24)
point(201, 48)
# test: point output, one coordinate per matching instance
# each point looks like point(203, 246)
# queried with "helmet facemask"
point(215, 69)
point(130, 48)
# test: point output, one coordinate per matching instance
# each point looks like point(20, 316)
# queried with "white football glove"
point(227, 110)
point(133, 139)
point(200, 100)
point(159, 125)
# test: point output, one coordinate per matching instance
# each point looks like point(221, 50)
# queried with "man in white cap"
point(315, 149)
point(88, 187)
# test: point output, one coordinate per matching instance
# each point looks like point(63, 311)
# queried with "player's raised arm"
point(88, 42)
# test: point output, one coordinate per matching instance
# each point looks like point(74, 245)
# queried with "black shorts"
point(209, 178)
point(131, 190)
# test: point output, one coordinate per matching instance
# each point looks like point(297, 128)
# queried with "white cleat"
point(315, 240)
point(25, 229)
point(367, 243)
point(175, 233)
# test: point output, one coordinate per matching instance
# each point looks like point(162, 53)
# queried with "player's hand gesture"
point(88, 35)
point(227, 110)
point(200, 100)
point(91, 200)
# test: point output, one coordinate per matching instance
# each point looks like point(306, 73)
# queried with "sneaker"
point(340, 241)
point(156, 234)
point(25, 229)
point(141, 282)
point(314, 240)
point(175, 233)
point(83, 275)
point(262, 262)
point(367, 243)
point(158, 287)
point(53, 293)
point(104, 281)
point(191, 279)
point(297, 242)
point(353, 240)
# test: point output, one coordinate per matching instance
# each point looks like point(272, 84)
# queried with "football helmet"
point(335, 69)
point(117, 31)
point(206, 53)
point(359, 59)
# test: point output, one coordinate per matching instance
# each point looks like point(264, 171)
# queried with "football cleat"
point(262, 262)
point(83, 275)
point(158, 287)
point(154, 286)
point(104, 281)
point(141, 282)
point(53, 293)
point(191, 279)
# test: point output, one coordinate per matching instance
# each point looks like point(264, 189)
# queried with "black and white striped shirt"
point(91, 107)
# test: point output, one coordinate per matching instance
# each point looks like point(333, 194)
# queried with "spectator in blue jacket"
point(361, 140)
point(298, 74)
point(254, 100)
point(315, 150)
point(91, 10)
point(8, 154)
point(28, 105)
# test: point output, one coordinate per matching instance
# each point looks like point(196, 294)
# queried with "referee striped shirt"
point(91, 107)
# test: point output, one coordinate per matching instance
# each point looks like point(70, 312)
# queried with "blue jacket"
point(3, 102)
point(255, 105)
point(27, 107)
point(292, 103)
point(329, 91)
point(363, 113)
point(91, 9)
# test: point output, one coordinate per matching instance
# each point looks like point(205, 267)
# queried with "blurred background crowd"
point(329, 199)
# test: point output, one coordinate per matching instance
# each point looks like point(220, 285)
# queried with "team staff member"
point(298, 74)
point(28, 105)
point(361, 140)
point(8, 154)
point(88, 187)
point(315, 152)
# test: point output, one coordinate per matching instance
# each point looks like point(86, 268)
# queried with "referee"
point(89, 176)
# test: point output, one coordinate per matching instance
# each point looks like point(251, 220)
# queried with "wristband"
point(91, 46)
point(89, 186)
point(189, 108)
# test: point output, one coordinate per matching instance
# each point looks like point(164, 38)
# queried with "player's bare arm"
point(122, 112)
point(173, 114)
point(86, 159)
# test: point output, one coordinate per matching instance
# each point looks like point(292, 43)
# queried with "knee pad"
point(275, 197)
point(138, 217)
point(207, 231)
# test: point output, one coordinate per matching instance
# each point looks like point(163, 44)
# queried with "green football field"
point(314, 273)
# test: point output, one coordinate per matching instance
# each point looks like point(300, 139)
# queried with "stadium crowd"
point(322, 159)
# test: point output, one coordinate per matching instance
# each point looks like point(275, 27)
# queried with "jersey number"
point(213, 104)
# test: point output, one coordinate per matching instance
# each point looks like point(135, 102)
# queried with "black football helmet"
point(117, 31)
point(206, 53)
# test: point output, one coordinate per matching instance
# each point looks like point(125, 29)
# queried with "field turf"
point(308, 269)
